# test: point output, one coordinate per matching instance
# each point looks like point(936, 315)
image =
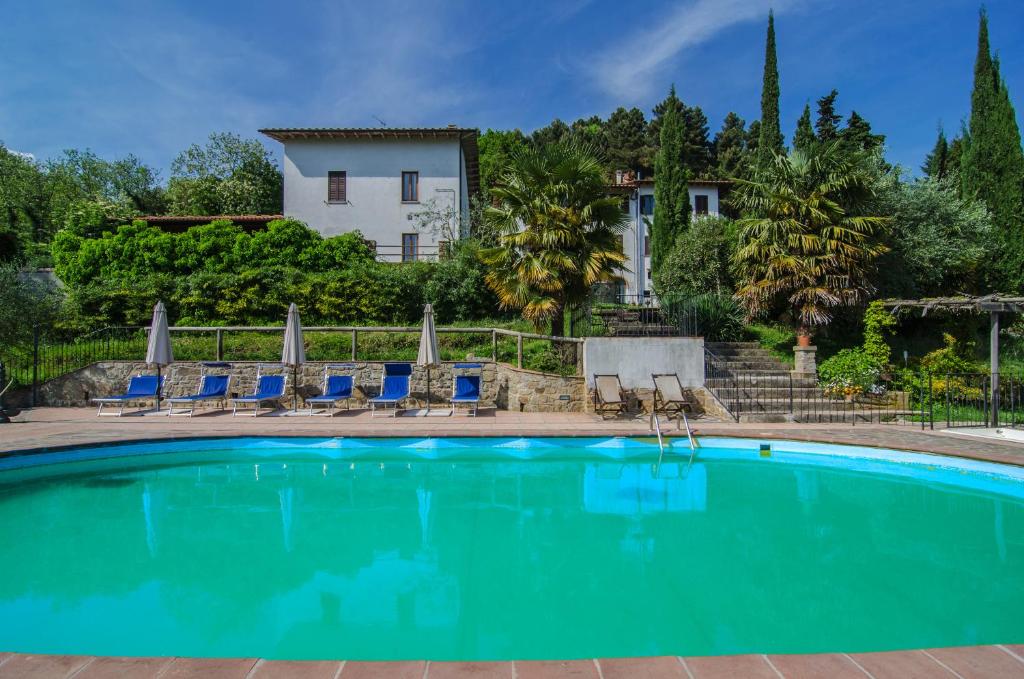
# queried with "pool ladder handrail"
point(681, 421)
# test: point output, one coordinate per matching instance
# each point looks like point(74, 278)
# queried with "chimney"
point(618, 176)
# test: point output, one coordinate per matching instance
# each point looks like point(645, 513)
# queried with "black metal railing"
point(786, 396)
point(968, 400)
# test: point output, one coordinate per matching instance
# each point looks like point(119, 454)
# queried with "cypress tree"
point(858, 135)
point(671, 184)
point(992, 163)
point(770, 141)
point(730, 147)
point(697, 149)
point(803, 138)
point(936, 163)
point(826, 127)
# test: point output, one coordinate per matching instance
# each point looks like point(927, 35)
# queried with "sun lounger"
point(466, 387)
point(394, 387)
point(269, 388)
point(140, 388)
point(670, 399)
point(608, 395)
point(211, 388)
point(668, 395)
point(336, 388)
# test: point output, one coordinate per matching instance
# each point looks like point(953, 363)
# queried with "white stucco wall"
point(373, 185)
point(638, 280)
point(635, 359)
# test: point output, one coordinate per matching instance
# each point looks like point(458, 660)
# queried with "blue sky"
point(151, 78)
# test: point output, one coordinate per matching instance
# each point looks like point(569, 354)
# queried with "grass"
point(59, 359)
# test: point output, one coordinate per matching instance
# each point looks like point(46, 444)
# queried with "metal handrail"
point(656, 426)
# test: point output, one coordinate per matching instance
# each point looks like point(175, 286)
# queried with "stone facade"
point(108, 378)
point(804, 362)
point(531, 391)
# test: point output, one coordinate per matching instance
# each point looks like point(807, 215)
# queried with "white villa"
point(637, 284)
point(377, 180)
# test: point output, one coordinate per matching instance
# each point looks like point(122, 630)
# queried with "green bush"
point(850, 372)
point(219, 274)
point(950, 359)
point(717, 317)
point(699, 262)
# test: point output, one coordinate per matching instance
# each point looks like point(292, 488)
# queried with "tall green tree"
point(770, 130)
point(803, 138)
point(826, 127)
point(730, 148)
point(936, 163)
point(698, 148)
point(559, 231)
point(858, 135)
point(555, 132)
point(229, 175)
point(809, 236)
point(496, 148)
point(626, 140)
point(671, 184)
point(590, 131)
point(992, 163)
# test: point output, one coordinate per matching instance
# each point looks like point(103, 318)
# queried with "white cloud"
point(629, 69)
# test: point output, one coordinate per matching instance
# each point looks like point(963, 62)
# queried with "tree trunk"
point(558, 322)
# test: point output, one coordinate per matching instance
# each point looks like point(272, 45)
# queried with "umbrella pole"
point(428, 389)
point(159, 387)
point(295, 389)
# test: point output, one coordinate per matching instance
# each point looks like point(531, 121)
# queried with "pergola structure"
point(994, 305)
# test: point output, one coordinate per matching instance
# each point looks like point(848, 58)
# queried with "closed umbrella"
point(158, 350)
point(294, 353)
point(427, 356)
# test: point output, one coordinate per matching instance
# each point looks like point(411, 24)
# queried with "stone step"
point(753, 382)
point(724, 393)
point(751, 363)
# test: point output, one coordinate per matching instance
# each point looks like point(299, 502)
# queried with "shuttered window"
point(410, 247)
point(647, 205)
point(336, 186)
point(410, 187)
point(700, 204)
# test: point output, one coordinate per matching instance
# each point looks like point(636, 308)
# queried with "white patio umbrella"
point(427, 356)
point(294, 353)
point(158, 350)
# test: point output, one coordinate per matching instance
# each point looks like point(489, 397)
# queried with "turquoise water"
point(504, 548)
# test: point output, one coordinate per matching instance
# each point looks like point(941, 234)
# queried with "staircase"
point(755, 386)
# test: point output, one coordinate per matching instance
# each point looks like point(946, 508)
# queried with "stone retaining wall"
point(531, 391)
point(109, 378)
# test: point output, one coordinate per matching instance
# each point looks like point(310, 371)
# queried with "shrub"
point(876, 321)
point(949, 359)
point(699, 261)
point(850, 372)
point(715, 316)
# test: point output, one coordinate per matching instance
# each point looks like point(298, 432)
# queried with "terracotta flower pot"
point(803, 340)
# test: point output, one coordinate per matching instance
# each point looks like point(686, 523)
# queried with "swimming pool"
point(504, 548)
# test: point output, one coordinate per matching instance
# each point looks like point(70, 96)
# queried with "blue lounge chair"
point(211, 388)
point(269, 388)
point(140, 388)
point(394, 387)
point(336, 388)
point(466, 387)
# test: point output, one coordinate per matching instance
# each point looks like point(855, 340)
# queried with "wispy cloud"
point(629, 69)
point(403, 72)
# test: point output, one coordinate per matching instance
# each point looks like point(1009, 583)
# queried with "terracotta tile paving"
point(294, 669)
point(556, 669)
point(831, 665)
point(975, 662)
point(729, 666)
point(901, 665)
point(471, 670)
point(209, 668)
point(124, 668)
point(42, 666)
point(665, 667)
point(384, 670)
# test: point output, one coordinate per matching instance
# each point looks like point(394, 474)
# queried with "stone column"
point(804, 360)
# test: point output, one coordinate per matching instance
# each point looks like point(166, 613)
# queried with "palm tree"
point(805, 238)
point(558, 231)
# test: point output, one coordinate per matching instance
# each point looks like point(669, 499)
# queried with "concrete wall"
point(373, 185)
point(634, 359)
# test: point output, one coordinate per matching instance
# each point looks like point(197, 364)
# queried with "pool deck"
point(56, 427)
point(47, 428)
point(974, 662)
